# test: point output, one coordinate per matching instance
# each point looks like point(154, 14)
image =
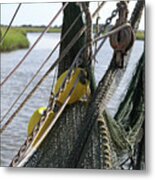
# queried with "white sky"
point(42, 13)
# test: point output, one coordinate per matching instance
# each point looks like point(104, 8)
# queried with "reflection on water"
point(16, 132)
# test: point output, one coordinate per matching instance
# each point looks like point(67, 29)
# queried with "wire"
point(9, 26)
point(81, 31)
point(28, 52)
point(42, 65)
point(55, 63)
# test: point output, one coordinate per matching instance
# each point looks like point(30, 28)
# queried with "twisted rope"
point(44, 117)
point(40, 124)
point(75, 63)
point(101, 99)
point(105, 142)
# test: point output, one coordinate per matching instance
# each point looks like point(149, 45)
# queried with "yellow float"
point(82, 89)
point(35, 119)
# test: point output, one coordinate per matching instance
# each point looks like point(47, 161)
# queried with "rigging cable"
point(9, 26)
point(26, 147)
point(65, 51)
point(28, 52)
point(42, 65)
point(51, 68)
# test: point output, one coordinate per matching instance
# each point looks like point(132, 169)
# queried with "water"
point(15, 134)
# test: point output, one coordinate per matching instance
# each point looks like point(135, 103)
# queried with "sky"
point(42, 13)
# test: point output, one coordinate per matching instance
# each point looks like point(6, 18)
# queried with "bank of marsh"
point(14, 39)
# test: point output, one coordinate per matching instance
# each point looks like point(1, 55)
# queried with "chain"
point(108, 21)
point(31, 150)
point(39, 69)
point(52, 102)
point(52, 67)
point(53, 98)
point(56, 62)
point(102, 29)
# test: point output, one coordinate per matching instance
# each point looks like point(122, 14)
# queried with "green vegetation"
point(15, 39)
point(140, 35)
point(16, 36)
point(40, 29)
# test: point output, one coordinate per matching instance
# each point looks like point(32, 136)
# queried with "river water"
point(15, 134)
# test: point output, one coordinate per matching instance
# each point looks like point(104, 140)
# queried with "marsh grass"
point(140, 35)
point(40, 29)
point(15, 39)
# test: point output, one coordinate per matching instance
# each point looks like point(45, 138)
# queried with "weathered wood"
point(70, 14)
point(55, 150)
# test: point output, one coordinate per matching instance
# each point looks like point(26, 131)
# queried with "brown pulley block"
point(122, 40)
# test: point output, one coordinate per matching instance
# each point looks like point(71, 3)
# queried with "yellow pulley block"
point(36, 118)
point(82, 89)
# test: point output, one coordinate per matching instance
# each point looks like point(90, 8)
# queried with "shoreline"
point(139, 34)
point(17, 37)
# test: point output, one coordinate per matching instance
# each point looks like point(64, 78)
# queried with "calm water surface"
point(15, 134)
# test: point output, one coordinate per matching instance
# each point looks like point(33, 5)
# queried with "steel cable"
point(9, 26)
point(28, 52)
point(42, 65)
point(47, 73)
point(52, 67)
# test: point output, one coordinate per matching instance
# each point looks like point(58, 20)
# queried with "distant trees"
point(39, 26)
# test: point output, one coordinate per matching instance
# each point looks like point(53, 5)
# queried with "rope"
point(31, 150)
point(56, 62)
point(54, 78)
point(65, 51)
point(88, 50)
point(137, 13)
point(45, 116)
point(28, 139)
point(52, 67)
point(108, 21)
point(28, 52)
point(99, 8)
point(105, 146)
point(27, 145)
point(42, 65)
point(9, 26)
point(96, 31)
point(85, 136)
point(50, 107)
